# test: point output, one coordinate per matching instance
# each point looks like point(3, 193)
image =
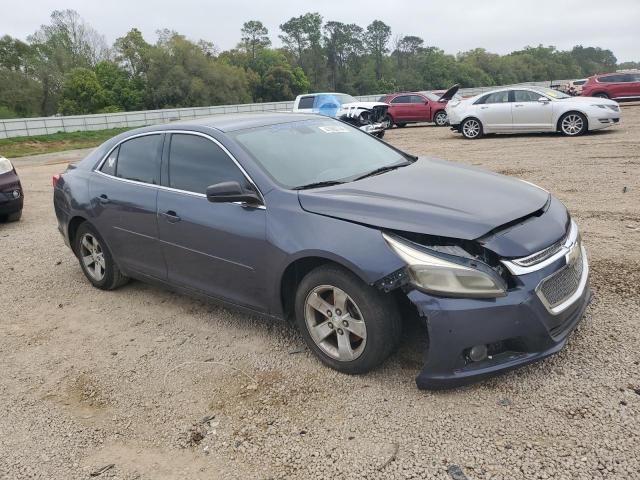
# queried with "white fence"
point(45, 125)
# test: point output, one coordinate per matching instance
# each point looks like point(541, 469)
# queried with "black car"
point(305, 218)
point(11, 196)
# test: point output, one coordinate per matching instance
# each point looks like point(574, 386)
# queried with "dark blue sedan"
point(308, 219)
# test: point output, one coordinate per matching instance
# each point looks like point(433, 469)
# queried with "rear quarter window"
point(306, 102)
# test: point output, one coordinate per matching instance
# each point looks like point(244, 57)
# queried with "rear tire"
point(440, 118)
point(15, 216)
point(387, 121)
point(96, 260)
point(401, 125)
point(573, 124)
point(471, 128)
point(350, 326)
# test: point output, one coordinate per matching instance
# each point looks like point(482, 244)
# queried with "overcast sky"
point(499, 26)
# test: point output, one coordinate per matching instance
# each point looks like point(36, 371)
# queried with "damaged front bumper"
point(373, 128)
point(514, 330)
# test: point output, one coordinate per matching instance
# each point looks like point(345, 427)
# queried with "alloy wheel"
point(572, 124)
point(440, 119)
point(471, 128)
point(335, 323)
point(92, 256)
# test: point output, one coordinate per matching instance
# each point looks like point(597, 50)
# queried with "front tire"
point(471, 128)
point(601, 95)
point(573, 124)
point(440, 118)
point(96, 260)
point(350, 326)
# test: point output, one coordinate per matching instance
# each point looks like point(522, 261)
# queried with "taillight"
point(55, 180)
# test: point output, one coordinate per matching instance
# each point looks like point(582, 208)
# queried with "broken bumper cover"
point(517, 329)
point(373, 128)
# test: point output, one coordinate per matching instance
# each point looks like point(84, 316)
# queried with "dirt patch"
point(122, 377)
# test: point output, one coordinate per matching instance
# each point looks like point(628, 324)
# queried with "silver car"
point(530, 109)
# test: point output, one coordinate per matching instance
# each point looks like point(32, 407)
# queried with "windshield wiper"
point(380, 170)
point(326, 183)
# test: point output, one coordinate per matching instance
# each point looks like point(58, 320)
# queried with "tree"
point(344, 44)
point(594, 59)
point(133, 52)
point(254, 37)
point(81, 93)
point(121, 91)
point(302, 35)
point(376, 39)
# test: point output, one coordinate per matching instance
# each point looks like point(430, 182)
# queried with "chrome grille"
point(559, 287)
point(542, 254)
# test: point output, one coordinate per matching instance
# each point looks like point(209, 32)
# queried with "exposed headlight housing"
point(447, 275)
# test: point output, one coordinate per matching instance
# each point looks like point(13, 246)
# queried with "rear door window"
point(417, 99)
point(526, 96)
point(196, 162)
point(498, 97)
point(137, 159)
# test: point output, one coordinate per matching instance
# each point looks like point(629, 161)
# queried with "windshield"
point(551, 93)
point(344, 98)
point(324, 150)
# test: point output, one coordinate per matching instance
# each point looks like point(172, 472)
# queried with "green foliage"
point(55, 142)
point(67, 67)
point(82, 93)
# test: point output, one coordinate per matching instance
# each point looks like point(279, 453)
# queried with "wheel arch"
point(72, 230)
point(296, 270)
point(564, 114)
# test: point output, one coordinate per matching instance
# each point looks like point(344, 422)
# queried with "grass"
point(56, 142)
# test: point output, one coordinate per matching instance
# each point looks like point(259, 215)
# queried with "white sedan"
point(530, 109)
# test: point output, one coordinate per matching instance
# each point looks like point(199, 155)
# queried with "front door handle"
point(483, 108)
point(171, 216)
point(104, 198)
point(518, 105)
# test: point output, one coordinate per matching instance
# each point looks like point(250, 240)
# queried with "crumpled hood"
point(367, 105)
point(431, 197)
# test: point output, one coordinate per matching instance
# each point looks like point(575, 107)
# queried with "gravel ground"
point(143, 383)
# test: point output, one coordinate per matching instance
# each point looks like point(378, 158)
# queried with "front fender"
point(359, 248)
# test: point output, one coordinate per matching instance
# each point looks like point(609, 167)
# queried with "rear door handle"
point(171, 216)
point(483, 108)
point(104, 198)
point(519, 105)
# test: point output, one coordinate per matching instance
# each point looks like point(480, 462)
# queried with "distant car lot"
point(161, 385)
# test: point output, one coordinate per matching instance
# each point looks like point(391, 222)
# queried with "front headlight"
point(441, 275)
point(599, 105)
point(5, 165)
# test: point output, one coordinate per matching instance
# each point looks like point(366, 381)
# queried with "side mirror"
point(543, 99)
point(229, 192)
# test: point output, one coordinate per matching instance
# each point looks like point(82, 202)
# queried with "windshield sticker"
point(334, 129)
point(551, 93)
point(111, 161)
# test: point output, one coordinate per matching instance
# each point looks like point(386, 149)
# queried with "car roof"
point(234, 121)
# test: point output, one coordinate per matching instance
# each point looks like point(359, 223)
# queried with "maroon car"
point(10, 192)
point(413, 107)
point(617, 86)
